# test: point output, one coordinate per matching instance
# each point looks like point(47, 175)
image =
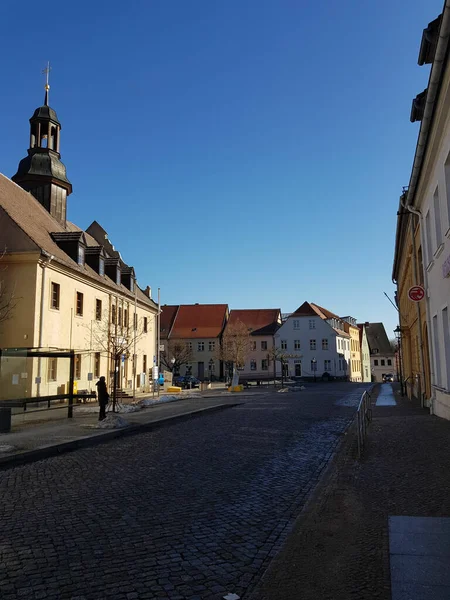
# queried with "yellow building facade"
point(414, 349)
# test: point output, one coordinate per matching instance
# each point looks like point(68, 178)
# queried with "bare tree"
point(115, 335)
point(8, 301)
point(176, 353)
point(235, 347)
point(277, 354)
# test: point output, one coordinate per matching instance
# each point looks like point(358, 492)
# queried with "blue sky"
point(249, 152)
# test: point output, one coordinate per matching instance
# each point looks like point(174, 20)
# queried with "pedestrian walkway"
point(356, 539)
point(386, 396)
point(419, 550)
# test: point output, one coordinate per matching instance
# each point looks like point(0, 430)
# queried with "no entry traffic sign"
point(416, 293)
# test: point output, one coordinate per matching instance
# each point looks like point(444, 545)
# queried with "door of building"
point(201, 370)
point(298, 369)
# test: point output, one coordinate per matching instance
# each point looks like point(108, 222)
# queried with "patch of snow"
point(7, 448)
point(120, 408)
point(160, 400)
point(112, 421)
point(129, 408)
point(283, 390)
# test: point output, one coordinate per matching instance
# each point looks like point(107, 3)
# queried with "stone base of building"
point(441, 404)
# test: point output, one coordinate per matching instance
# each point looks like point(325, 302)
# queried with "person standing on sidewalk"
point(103, 397)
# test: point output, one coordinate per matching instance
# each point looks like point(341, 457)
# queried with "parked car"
point(388, 378)
point(187, 381)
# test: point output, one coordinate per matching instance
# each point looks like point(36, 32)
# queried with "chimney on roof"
point(148, 291)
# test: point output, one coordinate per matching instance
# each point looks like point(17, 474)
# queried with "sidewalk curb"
point(29, 456)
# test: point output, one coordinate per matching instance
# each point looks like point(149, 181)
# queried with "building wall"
point(62, 328)
point(433, 200)
point(355, 354)
point(208, 356)
point(254, 365)
point(381, 364)
point(365, 358)
point(412, 317)
point(325, 349)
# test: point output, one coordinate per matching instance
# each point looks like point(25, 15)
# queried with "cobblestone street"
point(192, 510)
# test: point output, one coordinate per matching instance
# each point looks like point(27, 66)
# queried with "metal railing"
point(363, 418)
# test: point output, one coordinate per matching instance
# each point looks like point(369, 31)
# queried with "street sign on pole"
point(416, 293)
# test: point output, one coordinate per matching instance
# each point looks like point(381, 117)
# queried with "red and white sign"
point(416, 293)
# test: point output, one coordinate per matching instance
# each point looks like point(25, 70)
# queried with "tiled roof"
point(309, 309)
point(259, 321)
point(38, 224)
point(377, 339)
point(194, 321)
point(341, 333)
point(168, 314)
point(328, 314)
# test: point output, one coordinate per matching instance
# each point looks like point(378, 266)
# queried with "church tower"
point(41, 172)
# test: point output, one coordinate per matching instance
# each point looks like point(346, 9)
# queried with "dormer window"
point(80, 254)
point(101, 266)
point(127, 277)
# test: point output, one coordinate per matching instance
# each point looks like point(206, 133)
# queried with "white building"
point(382, 356)
point(428, 196)
point(315, 342)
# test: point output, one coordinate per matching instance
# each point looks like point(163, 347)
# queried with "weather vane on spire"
point(46, 72)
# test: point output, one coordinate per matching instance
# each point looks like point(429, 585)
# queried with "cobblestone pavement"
point(193, 510)
point(339, 548)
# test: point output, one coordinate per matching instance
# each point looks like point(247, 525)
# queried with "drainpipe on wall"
point(418, 213)
point(43, 264)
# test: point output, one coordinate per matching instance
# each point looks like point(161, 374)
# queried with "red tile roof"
point(259, 321)
point(194, 321)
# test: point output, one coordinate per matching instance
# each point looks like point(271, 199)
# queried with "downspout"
point(417, 212)
point(43, 263)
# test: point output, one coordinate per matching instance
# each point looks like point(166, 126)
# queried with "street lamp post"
point(314, 362)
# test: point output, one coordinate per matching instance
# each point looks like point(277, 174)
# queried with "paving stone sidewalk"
point(339, 548)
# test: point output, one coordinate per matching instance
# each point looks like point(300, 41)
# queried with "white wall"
point(433, 199)
point(304, 330)
point(378, 369)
